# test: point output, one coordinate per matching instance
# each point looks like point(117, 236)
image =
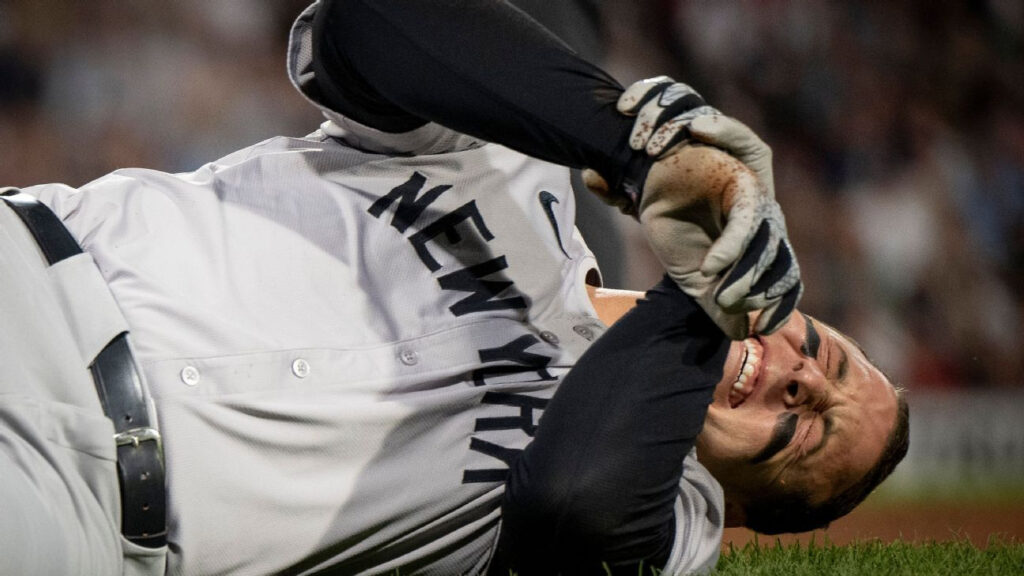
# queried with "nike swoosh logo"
point(546, 200)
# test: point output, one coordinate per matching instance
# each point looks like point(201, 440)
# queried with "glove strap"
point(633, 179)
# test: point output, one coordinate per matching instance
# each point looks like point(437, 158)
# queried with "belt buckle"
point(141, 470)
point(135, 436)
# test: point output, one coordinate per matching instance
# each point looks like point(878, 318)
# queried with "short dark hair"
point(793, 512)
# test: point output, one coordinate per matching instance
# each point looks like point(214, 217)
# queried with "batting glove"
point(654, 102)
point(747, 265)
point(663, 108)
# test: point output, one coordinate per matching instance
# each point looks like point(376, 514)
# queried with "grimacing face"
point(809, 410)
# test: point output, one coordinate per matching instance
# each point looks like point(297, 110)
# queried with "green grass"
point(868, 558)
point(874, 558)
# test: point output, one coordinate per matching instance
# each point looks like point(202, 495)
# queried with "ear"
point(735, 515)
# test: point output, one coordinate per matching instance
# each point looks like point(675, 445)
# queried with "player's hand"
point(746, 265)
point(721, 237)
point(664, 109)
point(751, 264)
point(664, 120)
point(654, 102)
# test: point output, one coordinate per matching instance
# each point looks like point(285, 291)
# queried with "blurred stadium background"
point(898, 132)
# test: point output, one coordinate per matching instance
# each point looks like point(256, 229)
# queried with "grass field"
point(976, 531)
point(767, 556)
point(873, 558)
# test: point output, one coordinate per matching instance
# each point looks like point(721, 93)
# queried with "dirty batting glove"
point(659, 127)
point(719, 236)
point(754, 261)
point(700, 222)
point(766, 276)
point(654, 102)
point(663, 109)
point(722, 238)
point(720, 131)
point(751, 260)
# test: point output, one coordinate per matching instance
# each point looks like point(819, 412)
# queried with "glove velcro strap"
point(633, 180)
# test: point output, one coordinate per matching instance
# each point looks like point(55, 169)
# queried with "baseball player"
point(341, 345)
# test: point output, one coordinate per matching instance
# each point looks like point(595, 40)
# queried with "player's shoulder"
point(429, 139)
point(285, 158)
point(150, 188)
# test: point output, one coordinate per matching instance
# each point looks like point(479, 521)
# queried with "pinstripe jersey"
point(344, 348)
point(347, 338)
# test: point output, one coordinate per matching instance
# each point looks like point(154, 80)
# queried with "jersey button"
point(584, 331)
point(190, 375)
point(549, 337)
point(300, 368)
point(409, 357)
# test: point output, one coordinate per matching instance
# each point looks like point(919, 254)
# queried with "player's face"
point(810, 408)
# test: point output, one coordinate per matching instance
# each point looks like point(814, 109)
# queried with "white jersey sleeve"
point(700, 519)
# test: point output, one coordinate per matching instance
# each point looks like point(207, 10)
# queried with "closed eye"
point(826, 433)
point(840, 367)
point(844, 365)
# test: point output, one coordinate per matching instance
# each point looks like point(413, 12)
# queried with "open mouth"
point(750, 369)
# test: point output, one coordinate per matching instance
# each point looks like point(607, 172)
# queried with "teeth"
point(752, 355)
point(740, 391)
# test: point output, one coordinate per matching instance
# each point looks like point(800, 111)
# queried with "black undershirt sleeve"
point(481, 67)
point(599, 481)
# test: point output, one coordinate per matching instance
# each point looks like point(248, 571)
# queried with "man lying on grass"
point(372, 349)
point(801, 427)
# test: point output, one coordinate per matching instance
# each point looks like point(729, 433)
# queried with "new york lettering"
point(512, 357)
point(516, 353)
point(484, 283)
point(529, 408)
point(412, 204)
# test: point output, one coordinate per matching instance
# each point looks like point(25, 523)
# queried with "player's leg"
point(59, 504)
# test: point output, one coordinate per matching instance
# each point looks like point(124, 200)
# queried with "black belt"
point(140, 462)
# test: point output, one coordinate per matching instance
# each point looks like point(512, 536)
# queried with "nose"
point(804, 384)
point(798, 377)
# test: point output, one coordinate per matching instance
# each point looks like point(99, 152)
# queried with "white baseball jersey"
point(347, 337)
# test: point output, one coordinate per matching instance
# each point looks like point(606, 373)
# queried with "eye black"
point(812, 341)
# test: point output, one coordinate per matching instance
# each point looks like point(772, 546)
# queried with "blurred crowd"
point(897, 128)
point(86, 87)
point(898, 131)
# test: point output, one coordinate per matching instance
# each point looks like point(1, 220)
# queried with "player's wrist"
point(661, 109)
point(634, 177)
point(625, 192)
